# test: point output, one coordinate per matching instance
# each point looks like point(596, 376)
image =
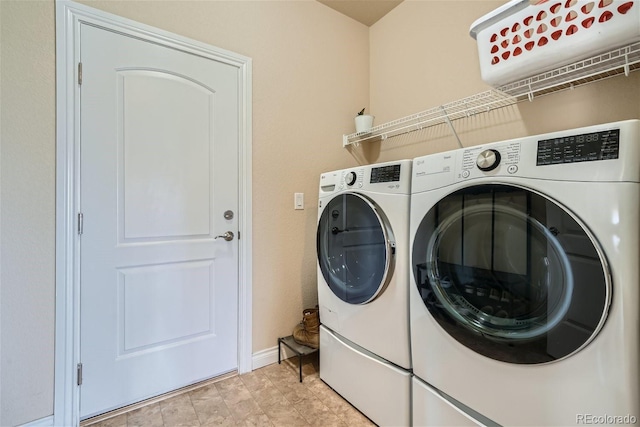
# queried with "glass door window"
point(355, 248)
point(511, 274)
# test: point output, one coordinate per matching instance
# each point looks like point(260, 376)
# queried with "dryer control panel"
point(493, 160)
point(600, 153)
point(586, 147)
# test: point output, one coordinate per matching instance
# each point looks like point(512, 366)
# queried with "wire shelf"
point(466, 107)
point(599, 67)
point(609, 64)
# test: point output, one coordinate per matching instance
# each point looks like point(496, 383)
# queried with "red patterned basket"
point(524, 38)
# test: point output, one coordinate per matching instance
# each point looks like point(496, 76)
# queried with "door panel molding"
point(69, 17)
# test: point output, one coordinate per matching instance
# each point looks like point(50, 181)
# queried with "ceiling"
point(367, 12)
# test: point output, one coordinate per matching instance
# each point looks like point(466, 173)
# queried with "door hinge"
point(80, 73)
point(80, 222)
point(79, 374)
point(238, 234)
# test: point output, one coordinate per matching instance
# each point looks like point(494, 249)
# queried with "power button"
point(512, 169)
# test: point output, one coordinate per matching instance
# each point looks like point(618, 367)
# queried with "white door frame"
point(69, 17)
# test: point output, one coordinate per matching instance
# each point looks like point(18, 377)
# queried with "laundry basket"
point(524, 38)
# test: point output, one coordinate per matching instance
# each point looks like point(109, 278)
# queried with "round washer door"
point(511, 274)
point(355, 248)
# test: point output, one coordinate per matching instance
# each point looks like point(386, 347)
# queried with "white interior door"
point(158, 171)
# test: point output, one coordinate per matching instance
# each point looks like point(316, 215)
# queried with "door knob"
point(228, 236)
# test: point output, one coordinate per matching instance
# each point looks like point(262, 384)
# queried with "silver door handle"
point(228, 236)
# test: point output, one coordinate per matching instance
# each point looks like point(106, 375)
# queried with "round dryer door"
point(511, 274)
point(355, 248)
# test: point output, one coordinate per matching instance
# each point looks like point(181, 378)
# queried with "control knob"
point(488, 160)
point(350, 178)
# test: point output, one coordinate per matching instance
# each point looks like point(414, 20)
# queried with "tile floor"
point(269, 396)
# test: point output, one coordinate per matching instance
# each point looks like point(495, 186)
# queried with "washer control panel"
point(388, 173)
point(379, 175)
point(352, 179)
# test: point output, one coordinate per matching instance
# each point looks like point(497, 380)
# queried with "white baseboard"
point(46, 421)
point(264, 357)
point(269, 356)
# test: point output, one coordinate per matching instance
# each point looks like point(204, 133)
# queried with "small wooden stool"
point(299, 350)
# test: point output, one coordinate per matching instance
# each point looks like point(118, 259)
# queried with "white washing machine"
point(363, 276)
point(525, 285)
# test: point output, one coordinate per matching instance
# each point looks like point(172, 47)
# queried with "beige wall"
point(422, 56)
point(310, 76)
point(27, 200)
point(313, 69)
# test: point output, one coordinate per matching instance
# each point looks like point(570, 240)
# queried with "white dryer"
point(525, 284)
point(363, 276)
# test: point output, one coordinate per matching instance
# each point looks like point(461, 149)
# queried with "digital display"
point(385, 174)
point(587, 147)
